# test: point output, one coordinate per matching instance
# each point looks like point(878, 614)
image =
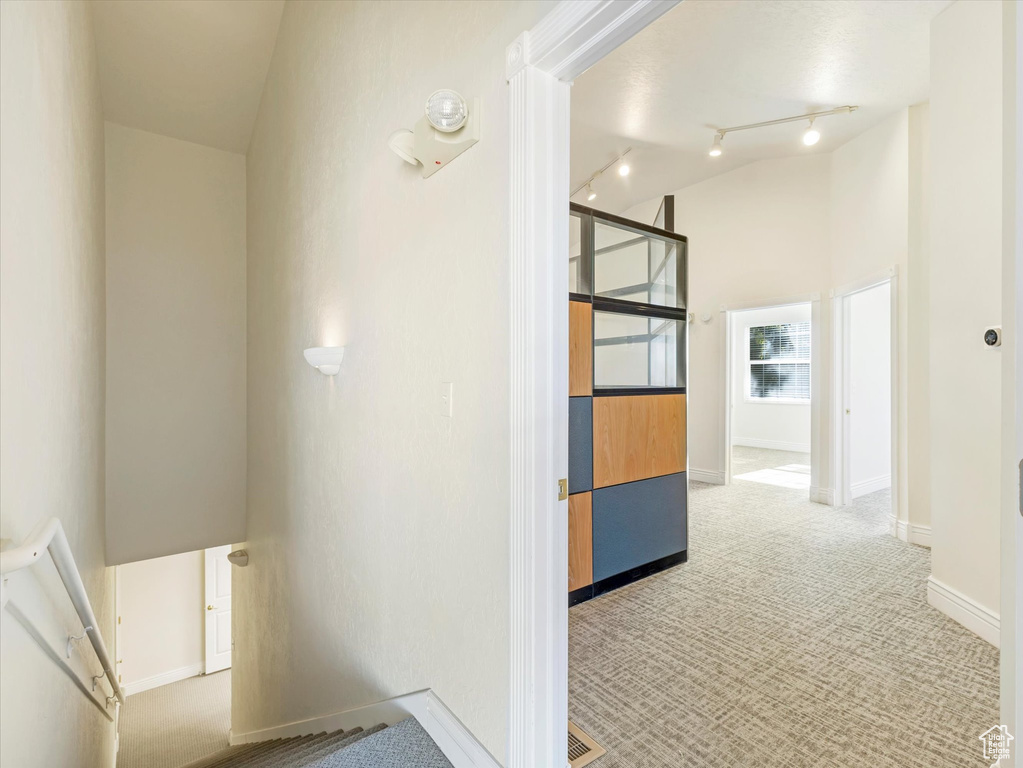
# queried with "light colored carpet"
point(796, 635)
point(174, 724)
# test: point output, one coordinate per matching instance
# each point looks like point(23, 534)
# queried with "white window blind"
point(779, 362)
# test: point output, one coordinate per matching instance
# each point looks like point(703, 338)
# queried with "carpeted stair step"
point(328, 743)
point(351, 738)
point(225, 756)
point(404, 745)
point(277, 756)
point(320, 741)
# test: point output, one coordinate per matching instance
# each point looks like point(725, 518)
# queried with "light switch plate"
point(446, 394)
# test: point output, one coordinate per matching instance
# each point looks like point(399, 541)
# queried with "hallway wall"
point(163, 623)
point(965, 297)
point(793, 227)
point(377, 528)
point(175, 345)
point(757, 233)
point(52, 355)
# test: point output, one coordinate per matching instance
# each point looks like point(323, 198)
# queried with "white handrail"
point(49, 536)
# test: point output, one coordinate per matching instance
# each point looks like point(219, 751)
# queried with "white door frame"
point(840, 392)
point(541, 64)
point(725, 418)
point(1011, 608)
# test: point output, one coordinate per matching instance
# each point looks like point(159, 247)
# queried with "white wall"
point(788, 228)
point(51, 370)
point(780, 426)
point(918, 291)
point(378, 529)
point(160, 603)
point(755, 234)
point(965, 296)
point(870, 390)
point(175, 346)
point(870, 232)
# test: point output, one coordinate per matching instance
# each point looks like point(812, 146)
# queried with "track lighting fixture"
point(810, 137)
point(623, 170)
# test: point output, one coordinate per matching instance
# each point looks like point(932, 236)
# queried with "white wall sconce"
point(448, 128)
point(327, 360)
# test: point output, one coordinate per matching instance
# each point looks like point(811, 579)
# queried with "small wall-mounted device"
point(993, 336)
point(239, 557)
point(448, 128)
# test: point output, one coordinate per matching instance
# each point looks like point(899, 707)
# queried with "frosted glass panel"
point(635, 267)
point(636, 351)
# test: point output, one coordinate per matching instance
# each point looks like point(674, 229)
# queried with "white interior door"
point(218, 609)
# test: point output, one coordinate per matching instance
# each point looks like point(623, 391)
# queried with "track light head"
point(590, 194)
point(715, 148)
point(812, 135)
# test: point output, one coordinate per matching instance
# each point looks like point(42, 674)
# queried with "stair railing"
point(49, 537)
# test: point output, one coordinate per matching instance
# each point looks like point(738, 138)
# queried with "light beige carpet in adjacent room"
point(797, 635)
point(175, 724)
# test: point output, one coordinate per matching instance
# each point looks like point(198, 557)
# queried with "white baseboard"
point(712, 476)
point(164, 678)
point(910, 532)
point(920, 535)
point(457, 743)
point(864, 487)
point(774, 445)
point(957, 606)
point(823, 496)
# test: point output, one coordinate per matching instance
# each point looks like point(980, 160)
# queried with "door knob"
point(209, 607)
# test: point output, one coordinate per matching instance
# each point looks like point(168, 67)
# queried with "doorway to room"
point(769, 395)
point(173, 648)
point(864, 393)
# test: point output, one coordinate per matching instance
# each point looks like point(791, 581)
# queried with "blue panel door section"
point(580, 444)
point(637, 523)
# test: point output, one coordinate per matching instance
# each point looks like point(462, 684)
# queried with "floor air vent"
point(582, 750)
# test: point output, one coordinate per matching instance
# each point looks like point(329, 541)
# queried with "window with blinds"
point(779, 362)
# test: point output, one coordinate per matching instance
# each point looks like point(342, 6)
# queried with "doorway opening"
point(865, 398)
point(769, 395)
point(173, 655)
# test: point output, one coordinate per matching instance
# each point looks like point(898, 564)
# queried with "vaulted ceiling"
point(190, 69)
point(710, 64)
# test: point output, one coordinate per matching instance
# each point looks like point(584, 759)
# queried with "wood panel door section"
point(580, 348)
point(580, 541)
point(638, 436)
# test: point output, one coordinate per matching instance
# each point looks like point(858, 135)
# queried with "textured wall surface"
point(378, 529)
point(175, 345)
point(163, 621)
point(965, 277)
point(51, 370)
point(790, 227)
